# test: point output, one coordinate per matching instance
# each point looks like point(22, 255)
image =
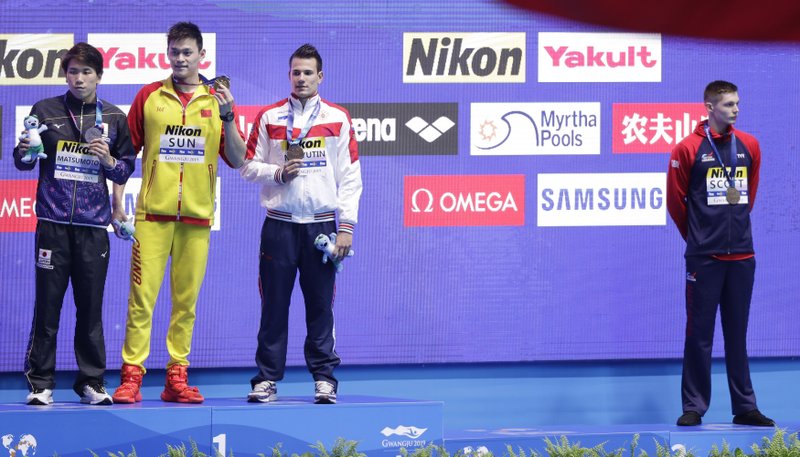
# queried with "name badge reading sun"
point(182, 144)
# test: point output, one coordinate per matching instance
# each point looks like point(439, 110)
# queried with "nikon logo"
point(464, 57)
point(33, 59)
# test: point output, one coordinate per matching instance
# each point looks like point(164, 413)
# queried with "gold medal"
point(732, 195)
point(222, 81)
point(295, 151)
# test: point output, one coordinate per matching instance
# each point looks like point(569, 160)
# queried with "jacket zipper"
point(75, 183)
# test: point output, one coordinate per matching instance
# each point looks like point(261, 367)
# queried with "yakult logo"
point(653, 127)
point(131, 58)
point(599, 57)
point(33, 59)
point(478, 200)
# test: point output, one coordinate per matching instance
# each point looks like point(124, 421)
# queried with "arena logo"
point(141, 58)
point(464, 57)
point(405, 128)
point(33, 59)
point(500, 129)
point(599, 57)
point(653, 127)
point(18, 205)
point(464, 200)
point(601, 199)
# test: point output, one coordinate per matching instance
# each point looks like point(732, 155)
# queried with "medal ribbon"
point(305, 129)
point(730, 177)
point(98, 115)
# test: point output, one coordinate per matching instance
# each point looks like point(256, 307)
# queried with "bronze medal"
point(295, 151)
point(732, 195)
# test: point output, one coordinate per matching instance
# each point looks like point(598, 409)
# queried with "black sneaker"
point(689, 418)
point(753, 417)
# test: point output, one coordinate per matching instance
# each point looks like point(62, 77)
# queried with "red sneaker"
point(177, 388)
point(130, 385)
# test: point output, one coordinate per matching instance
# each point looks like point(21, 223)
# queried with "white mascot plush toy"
point(327, 244)
point(32, 131)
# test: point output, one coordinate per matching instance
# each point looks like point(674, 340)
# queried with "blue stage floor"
point(490, 405)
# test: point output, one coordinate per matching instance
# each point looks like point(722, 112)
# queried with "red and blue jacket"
point(696, 188)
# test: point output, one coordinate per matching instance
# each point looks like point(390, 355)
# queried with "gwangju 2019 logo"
point(534, 128)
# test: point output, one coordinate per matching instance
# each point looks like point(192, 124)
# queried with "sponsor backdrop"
point(514, 177)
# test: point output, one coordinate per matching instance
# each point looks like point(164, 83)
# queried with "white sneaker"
point(324, 392)
point(263, 392)
point(95, 394)
point(40, 397)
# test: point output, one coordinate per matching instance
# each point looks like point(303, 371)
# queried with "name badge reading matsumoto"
point(74, 163)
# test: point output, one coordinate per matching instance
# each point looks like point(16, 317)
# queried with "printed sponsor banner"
point(653, 127)
point(141, 58)
point(464, 200)
point(599, 57)
point(405, 128)
point(464, 57)
point(534, 128)
point(600, 199)
point(17, 205)
point(33, 59)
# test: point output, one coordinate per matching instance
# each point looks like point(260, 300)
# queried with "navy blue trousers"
point(728, 284)
point(67, 252)
point(286, 249)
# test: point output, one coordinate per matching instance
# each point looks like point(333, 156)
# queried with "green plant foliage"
point(341, 448)
point(778, 445)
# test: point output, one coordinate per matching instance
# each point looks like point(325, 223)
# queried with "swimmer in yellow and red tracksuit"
point(182, 126)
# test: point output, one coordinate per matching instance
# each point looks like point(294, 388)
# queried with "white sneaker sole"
point(261, 398)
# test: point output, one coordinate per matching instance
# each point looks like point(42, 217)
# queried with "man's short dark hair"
point(307, 51)
point(717, 88)
point(85, 53)
point(183, 30)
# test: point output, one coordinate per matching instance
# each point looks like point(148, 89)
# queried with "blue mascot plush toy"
point(32, 131)
point(327, 244)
